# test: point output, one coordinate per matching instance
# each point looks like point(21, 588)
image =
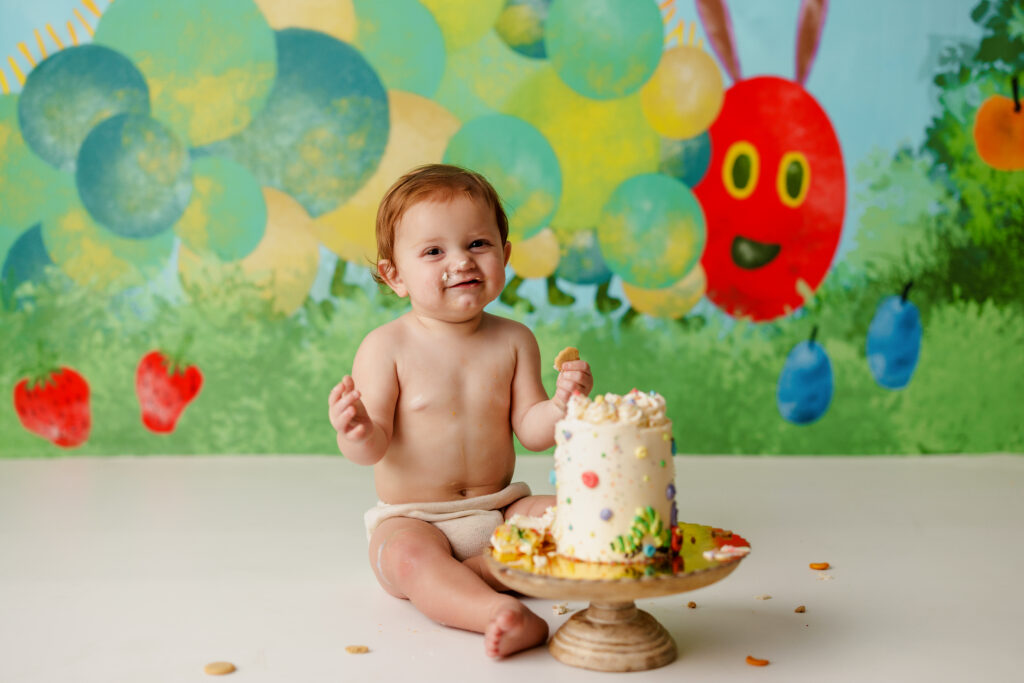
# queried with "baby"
point(433, 400)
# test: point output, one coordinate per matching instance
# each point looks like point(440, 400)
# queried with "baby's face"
point(449, 259)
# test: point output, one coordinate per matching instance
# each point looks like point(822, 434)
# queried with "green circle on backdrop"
point(519, 162)
point(227, 214)
point(604, 48)
point(133, 175)
point(652, 231)
point(402, 41)
point(25, 179)
point(209, 65)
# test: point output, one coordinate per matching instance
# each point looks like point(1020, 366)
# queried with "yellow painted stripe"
point(74, 36)
point(665, 3)
point(671, 13)
point(3, 83)
point(28, 55)
point(693, 29)
point(677, 33)
point(91, 6)
point(56, 39)
point(17, 71)
point(84, 22)
point(42, 46)
point(700, 43)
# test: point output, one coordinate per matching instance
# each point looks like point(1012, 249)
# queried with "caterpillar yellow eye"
point(740, 169)
point(794, 178)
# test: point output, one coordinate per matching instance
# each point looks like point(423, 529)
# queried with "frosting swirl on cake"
point(635, 408)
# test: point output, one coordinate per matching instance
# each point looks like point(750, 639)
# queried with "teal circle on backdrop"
point(324, 129)
point(210, 65)
point(652, 231)
point(519, 161)
point(686, 160)
point(581, 260)
point(604, 49)
point(72, 91)
point(133, 176)
point(26, 261)
point(521, 26)
point(403, 42)
point(227, 214)
point(25, 179)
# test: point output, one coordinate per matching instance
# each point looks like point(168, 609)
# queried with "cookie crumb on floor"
point(218, 668)
point(356, 649)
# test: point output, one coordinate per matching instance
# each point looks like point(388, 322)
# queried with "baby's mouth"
point(472, 282)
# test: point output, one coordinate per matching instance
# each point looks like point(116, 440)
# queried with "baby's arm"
point(533, 414)
point(364, 421)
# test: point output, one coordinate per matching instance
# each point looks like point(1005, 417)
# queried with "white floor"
point(146, 569)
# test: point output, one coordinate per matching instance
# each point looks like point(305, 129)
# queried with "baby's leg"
point(412, 559)
point(531, 506)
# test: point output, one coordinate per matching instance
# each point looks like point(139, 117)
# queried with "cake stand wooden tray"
point(611, 634)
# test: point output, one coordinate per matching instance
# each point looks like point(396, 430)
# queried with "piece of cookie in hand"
point(569, 353)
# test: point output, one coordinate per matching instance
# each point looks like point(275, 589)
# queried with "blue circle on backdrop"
point(581, 260)
point(686, 160)
point(26, 261)
point(521, 26)
point(133, 176)
point(323, 130)
point(71, 92)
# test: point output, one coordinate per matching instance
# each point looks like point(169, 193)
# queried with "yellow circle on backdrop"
point(673, 301)
point(334, 17)
point(598, 143)
point(464, 21)
point(537, 256)
point(684, 96)
point(419, 133)
point(282, 267)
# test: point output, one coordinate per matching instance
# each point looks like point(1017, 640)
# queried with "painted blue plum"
point(805, 384)
point(894, 341)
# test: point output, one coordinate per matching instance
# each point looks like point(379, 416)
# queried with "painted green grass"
point(267, 379)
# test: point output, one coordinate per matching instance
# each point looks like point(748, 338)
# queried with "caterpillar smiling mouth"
point(750, 254)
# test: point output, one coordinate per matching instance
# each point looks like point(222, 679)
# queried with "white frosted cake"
point(615, 479)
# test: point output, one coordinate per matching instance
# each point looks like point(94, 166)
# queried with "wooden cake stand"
point(611, 634)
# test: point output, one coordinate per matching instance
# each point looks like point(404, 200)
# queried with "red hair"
point(433, 181)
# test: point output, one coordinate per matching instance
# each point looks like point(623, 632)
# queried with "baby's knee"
point(401, 557)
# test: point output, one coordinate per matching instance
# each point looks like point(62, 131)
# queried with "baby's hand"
point(348, 414)
point(574, 376)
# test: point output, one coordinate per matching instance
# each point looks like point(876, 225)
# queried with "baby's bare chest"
point(461, 381)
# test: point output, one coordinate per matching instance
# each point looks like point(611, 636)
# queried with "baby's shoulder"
point(514, 331)
point(381, 341)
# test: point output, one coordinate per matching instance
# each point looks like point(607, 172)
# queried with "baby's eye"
point(479, 243)
point(432, 251)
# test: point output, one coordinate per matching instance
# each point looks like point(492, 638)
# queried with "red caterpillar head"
point(775, 193)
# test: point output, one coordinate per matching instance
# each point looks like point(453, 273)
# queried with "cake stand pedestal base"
point(613, 636)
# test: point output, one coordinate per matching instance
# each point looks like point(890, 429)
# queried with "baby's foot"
point(512, 629)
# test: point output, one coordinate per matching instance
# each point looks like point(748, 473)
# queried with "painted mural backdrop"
point(188, 190)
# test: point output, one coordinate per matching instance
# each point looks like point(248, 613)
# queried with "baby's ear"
point(508, 251)
point(386, 269)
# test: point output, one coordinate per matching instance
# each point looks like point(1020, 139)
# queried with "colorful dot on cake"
point(590, 479)
point(662, 463)
point(670, 491)
point(568, 501)
point(604, 455)
point(641, 452)
point(649, 550)
point(646, 478)
point(552, 477)
point(566, 434)
point(606, 514)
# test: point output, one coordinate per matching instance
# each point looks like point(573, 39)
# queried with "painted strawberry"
point(55, 406)
point(164, 387)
